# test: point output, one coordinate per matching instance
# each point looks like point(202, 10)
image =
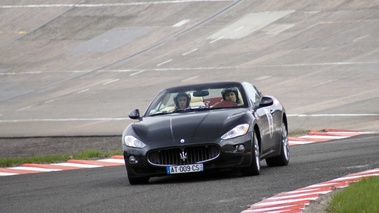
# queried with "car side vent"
point(183, 156)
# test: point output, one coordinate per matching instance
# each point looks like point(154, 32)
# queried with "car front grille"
point(184, 155)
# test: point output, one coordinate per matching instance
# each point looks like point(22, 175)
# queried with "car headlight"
point(133, 142)
point(236, 131)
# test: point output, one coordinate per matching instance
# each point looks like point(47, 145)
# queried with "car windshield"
point(168, 102)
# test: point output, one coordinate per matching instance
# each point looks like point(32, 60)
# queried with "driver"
point(230, 94)
point(182, 100)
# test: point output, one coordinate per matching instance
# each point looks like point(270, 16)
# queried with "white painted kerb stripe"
point(284, 202)
point(278, 209)
point(34, 169)
point(300, 142)
point(111, 160)
point(285, 197)
point(7, 174)
point(322, 137)
point(77, 165)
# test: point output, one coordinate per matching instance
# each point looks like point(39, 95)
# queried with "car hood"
point(192, 127)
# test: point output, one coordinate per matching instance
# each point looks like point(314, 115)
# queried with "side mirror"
point(134, 114)
point(266, 101)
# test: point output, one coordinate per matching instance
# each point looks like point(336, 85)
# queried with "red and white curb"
point(312, 137)
point(315, 136)
point(287, 202)
point(30, 168)
point(295, 201)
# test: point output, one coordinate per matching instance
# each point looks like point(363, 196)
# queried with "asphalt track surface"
point(107, 189)
point(77, 68)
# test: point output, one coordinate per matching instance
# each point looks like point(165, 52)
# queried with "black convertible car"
point(196, 128)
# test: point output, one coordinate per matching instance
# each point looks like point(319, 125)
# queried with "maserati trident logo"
point(183, 155)
point(182, 141)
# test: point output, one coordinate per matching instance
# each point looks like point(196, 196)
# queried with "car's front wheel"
point(255, 165)
point(283, 158)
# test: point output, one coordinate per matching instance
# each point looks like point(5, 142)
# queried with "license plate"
point(184, 169)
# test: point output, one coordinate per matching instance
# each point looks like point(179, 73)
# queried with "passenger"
point(182, 101)
point(231, 94)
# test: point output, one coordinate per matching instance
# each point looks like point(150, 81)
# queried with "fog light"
point(240, 148)
point(133, 160)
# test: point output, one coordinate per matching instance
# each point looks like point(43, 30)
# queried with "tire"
point(283, 158)
point(133, 180)
point(255, 165)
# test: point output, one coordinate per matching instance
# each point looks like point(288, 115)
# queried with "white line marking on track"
point(188, 79)
point(116, 71)
point(318, 64)
point(324, 82)
point(165, 62)
point(181, 23)
point(107, 5)
point(82, 91)
point(16, 73)
point(263, 78)
point(197, 68)
point(239, 28)
point(360, 38)
point(49, 101)
point(136, 73)
point(312, 12)
point(217, 39)
point(111, 81)
point(24, 108)
point(44, 72)
point(191, 51)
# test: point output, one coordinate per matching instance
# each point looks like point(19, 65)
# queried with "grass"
point(85, 155)
point(297, 132)
point(359, 197)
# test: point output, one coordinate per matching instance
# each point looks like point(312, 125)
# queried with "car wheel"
point(284, 157)
point(133, 180)
point(255, 165)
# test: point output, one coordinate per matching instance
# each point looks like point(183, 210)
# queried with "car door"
point(264, 117)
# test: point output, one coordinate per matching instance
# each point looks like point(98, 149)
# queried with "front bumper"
point(234, 153)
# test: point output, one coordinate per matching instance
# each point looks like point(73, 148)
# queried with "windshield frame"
point(165, 98)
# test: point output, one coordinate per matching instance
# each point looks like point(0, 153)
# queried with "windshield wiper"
point(191, 109)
